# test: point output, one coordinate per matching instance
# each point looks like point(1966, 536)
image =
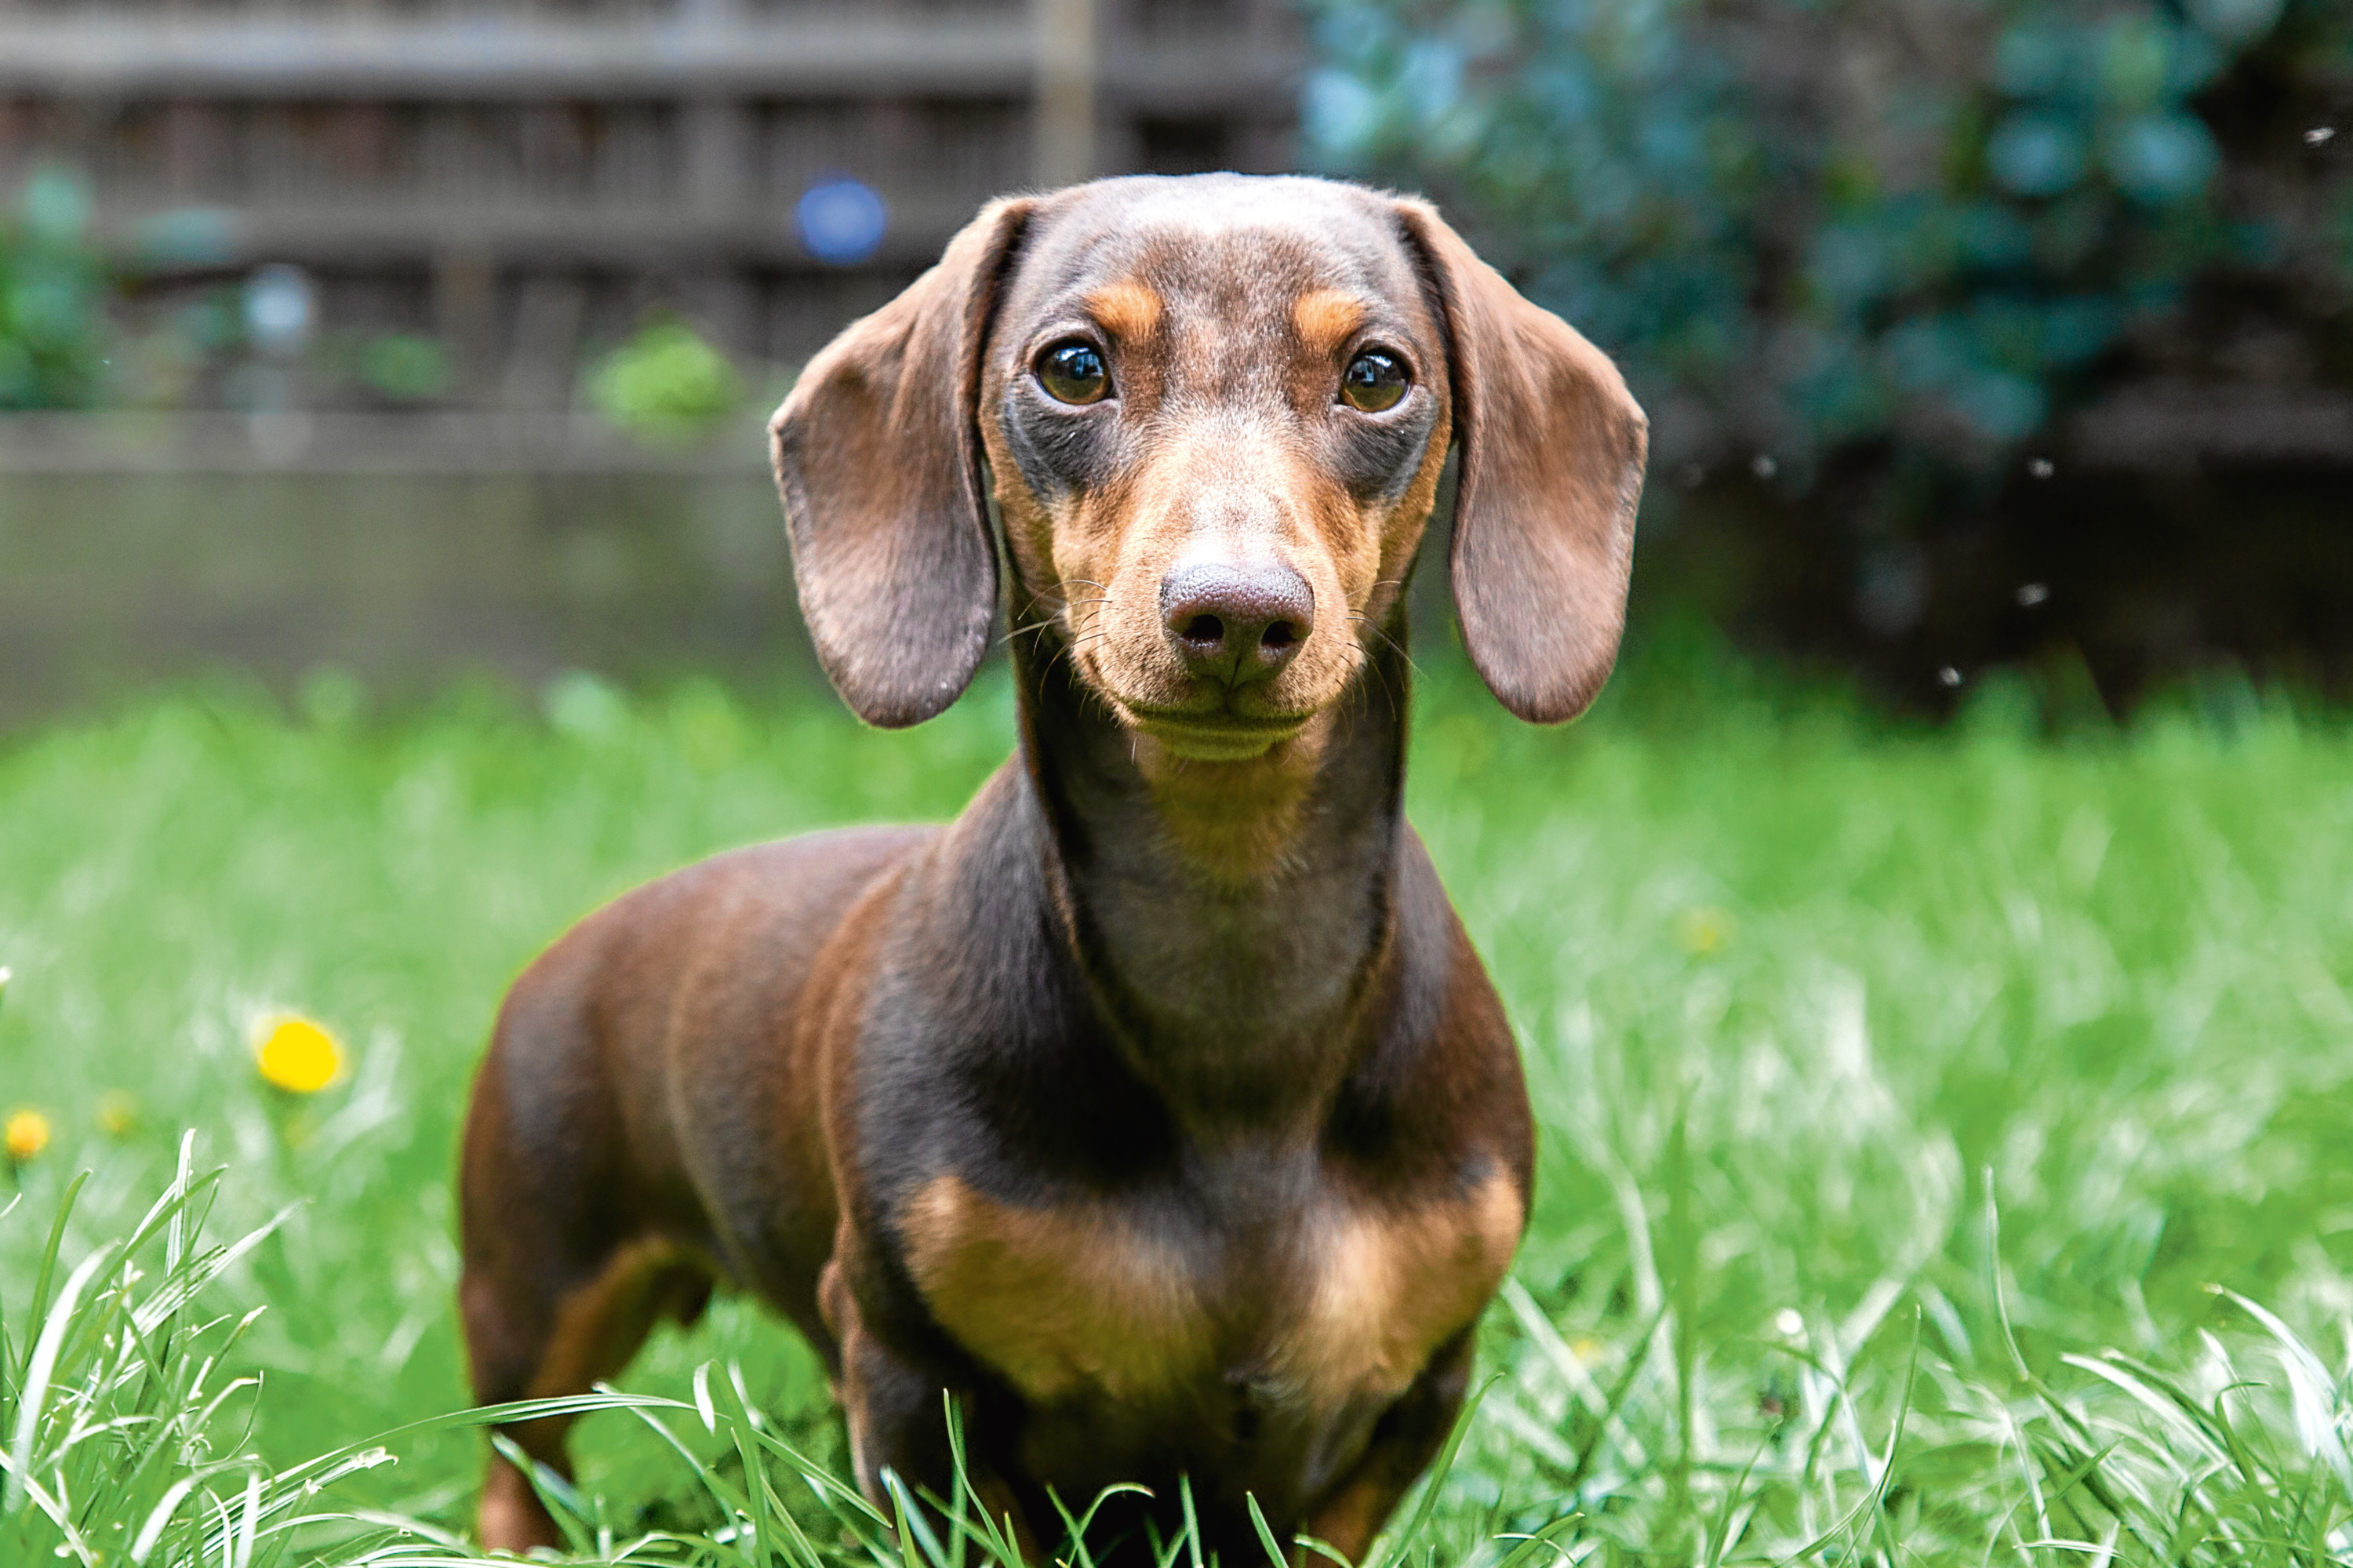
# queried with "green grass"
point(1833, 1027)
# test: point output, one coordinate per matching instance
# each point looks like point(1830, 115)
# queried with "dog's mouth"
point(1215, 737)
point(1210, 722)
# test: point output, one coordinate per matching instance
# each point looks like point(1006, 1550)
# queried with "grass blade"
point(47, 1271)
point(153, 1530)
point(1431, 1483)
point(33, 1394)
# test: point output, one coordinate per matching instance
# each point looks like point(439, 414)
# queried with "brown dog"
point(1158, 1105)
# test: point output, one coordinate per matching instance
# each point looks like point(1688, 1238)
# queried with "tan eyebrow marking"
point(1326, 317)
point(1126, 309)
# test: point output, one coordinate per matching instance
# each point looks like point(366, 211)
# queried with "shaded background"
point(1976, 332)
point(426, 338)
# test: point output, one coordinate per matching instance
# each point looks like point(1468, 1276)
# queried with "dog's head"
point(1214, 410)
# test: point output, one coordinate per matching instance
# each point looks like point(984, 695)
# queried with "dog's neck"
point(1228, 915)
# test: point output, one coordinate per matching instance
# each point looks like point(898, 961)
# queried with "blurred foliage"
point(1924, 228)
point(404, 367)
point(53, 292)
point(666, 383)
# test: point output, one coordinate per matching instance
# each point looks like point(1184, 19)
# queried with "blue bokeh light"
point(840, 220)
point(280, 307)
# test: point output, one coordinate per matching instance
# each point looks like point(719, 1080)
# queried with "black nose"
point(1236, 622)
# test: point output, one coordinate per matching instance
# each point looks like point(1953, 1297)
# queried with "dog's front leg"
point(898, 1416)
point(1352, 1511)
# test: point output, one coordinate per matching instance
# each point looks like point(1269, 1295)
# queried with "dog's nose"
point(1236, 622)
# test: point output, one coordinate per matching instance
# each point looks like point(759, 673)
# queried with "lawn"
point(1906, 1097)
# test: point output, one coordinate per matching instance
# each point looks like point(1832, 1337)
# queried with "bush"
point(666, 383)
point(1865, 263)
point(52, 298)
point(1809, 228)
point(403, 368)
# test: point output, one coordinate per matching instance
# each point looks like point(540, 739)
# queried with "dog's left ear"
point(877, 457)
point(1553, 447)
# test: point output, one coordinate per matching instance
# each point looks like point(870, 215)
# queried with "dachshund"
point(1157, 1107)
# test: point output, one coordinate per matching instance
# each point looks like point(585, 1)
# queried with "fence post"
point(1065, 105)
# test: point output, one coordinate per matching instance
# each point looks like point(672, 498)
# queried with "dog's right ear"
point(878, 459)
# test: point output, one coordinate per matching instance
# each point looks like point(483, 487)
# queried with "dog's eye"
point(1374, 381)
point(1073, 373)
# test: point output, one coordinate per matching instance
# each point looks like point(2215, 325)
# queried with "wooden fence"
point(521, 179)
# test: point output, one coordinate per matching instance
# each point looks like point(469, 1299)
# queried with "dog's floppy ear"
point(877, 457)
point(1553, 447)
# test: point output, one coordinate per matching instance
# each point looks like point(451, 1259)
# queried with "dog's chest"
point(1149, 1304)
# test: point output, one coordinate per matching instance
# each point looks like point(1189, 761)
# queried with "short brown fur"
point(1158, 1107)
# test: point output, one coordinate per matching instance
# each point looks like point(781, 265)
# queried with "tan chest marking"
point(1385, 1289)
point(1080, 1297)
point(1059, 1300)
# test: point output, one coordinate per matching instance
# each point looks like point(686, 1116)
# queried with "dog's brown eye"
point(1374, 381)
point(1073, 373)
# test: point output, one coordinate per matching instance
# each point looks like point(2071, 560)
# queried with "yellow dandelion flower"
point(118, 1112)
point(298, 1055)
point(25, 1135)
